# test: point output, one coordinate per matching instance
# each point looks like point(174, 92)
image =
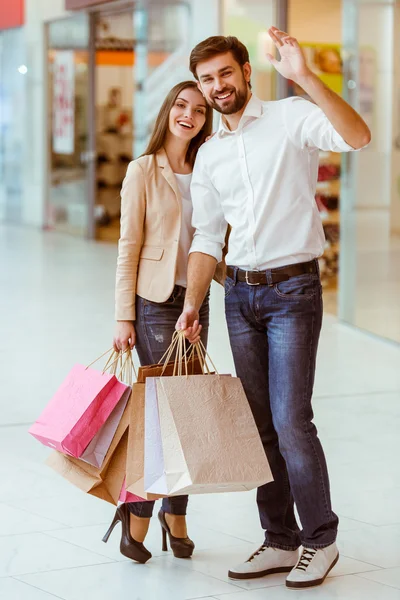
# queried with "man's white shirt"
point(261, 179)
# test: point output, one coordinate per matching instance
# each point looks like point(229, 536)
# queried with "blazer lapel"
point(163, 163)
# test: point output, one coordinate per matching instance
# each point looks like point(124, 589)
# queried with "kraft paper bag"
point(135, 460)
point(105, 483)
point(193, 365)
point(201, 437)
point(78, 410)
point(96, 452)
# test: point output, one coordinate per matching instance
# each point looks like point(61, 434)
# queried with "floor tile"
point(386, 576)
point(14, 521)
point(90, 538)
point(11, 589)
point(74, 508)
point(378, 546)
point(157, 580)
point(32, 553)
point(335, 588)
point(241, 524)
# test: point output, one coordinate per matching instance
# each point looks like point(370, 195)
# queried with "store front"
point(352, 46)
point(370, 236)
point(109, 67)
point(12, 109)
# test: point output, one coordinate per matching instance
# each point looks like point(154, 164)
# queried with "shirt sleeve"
point(208, 218)
point(308, 126)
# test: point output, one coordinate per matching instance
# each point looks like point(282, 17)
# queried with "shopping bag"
point(96, 451)
point(201, 437)
point(78, 410)
point(105, 483)
point(135, 460)
point(193, 365)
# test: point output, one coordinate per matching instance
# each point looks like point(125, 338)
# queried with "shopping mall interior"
point(81, 83)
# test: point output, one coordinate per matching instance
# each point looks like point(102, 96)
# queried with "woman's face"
point(188, 115)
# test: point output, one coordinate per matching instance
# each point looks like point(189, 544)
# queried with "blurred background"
point(81, 82)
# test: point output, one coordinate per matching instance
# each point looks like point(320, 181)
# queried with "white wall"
point(375, 32)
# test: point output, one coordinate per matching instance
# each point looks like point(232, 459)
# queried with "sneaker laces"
point(305, 559)
point(257, 553)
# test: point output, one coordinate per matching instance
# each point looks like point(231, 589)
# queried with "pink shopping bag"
point(78, 410)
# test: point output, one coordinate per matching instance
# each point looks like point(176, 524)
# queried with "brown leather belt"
point(272, 276)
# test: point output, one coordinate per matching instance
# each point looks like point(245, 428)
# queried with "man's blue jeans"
point(274, 332)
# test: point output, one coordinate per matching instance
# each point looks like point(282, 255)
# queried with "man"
point(258, 174)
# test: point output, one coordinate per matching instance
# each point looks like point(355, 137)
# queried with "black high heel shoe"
point(129, 547)
point(181, 547)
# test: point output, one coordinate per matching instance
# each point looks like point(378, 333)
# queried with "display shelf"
point(331, 217)
point(328, 201)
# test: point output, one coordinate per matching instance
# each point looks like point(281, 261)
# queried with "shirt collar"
point(254, 109)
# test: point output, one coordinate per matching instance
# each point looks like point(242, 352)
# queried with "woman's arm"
point(133, 211)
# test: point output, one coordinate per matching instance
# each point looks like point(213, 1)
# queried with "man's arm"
point(201, 270)
point(345, 120)
point(206, 250)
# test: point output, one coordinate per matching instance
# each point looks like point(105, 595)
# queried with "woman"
point(156, 235)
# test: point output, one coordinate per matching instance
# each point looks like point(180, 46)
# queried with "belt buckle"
point(248, 282)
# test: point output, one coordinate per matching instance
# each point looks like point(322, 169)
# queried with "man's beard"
point(236, 103)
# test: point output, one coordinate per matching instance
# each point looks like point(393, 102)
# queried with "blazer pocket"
point(152, 252)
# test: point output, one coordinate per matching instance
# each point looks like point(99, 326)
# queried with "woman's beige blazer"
point(150, 231)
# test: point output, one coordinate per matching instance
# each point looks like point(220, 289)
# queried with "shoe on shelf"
point(129, 547)
point(181, 547)
point(312, 567)
point(265, 561)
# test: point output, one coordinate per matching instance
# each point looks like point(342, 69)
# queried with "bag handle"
point(126, 367)
point(203, 355)
point(183, 355)
point(177, 348)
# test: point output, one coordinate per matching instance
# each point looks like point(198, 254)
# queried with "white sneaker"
point(312, 567)
point(265, 561)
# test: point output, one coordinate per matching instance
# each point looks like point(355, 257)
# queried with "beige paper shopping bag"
point(135, 460)
point(201, 437)
point(106, 482)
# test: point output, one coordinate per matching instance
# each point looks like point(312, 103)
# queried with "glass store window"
point(370, 261)
point(248, 20)
point(161, 60)
point(12, 82)
point(68, 97)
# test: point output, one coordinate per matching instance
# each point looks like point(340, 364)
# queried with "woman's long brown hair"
point(162, 124)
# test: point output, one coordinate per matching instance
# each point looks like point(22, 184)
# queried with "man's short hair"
point(218, 44)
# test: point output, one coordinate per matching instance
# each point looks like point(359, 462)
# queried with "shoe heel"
point(164, 540)
point(110, 529)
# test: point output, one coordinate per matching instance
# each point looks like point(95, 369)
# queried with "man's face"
point(224, 83)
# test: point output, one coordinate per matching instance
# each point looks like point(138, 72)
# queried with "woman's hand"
point(125, 336)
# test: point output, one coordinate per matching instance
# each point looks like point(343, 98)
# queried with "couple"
point(258, 175)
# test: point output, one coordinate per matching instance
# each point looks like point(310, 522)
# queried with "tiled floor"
point(57, 309)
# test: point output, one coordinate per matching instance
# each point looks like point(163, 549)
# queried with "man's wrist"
point(190, 305)
point(305, 79)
